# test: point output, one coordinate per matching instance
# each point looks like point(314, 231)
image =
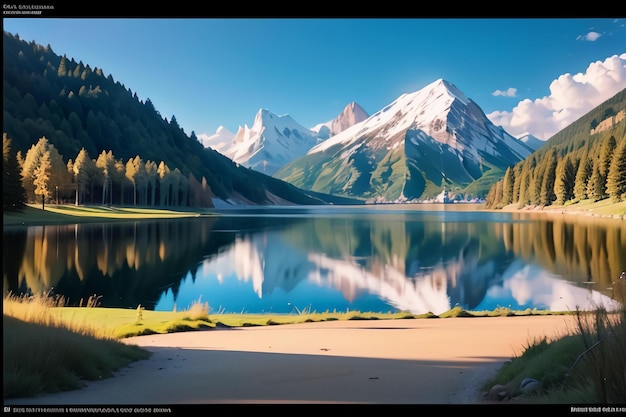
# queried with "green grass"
point(33, 215)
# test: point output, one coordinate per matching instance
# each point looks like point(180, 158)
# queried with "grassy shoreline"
point(33, 215)
point(49, 348)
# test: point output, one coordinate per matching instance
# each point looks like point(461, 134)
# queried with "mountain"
point(270, 143)
point(532, 141)
point(274, 140)
point(77, 107)
point(412, 149)
point(351, 115)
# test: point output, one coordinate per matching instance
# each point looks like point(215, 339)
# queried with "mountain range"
point(412, 149)
point(420, 144)
point(273, 140)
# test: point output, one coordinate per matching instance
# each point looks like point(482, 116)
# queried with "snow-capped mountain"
point(274, 140)
point(351, 115)
point(530, 140)
point(411, 149)
point(271, 142)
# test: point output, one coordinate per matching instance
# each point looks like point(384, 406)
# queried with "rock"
point(497, 393)
point(529, 384)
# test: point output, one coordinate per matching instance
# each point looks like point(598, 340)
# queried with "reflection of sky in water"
point(325, 260)
point(231, 295)
point(528, 286)
point(326, 284)
point(265, 272)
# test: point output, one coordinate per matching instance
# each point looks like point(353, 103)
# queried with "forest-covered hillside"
point(115, 147)
point(586, 160)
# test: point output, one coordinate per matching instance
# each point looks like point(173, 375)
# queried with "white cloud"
point(571, 96)
point(510, 92)
point(591, 37)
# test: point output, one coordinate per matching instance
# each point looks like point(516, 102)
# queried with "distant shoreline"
point(32, 215)
point(570, 210)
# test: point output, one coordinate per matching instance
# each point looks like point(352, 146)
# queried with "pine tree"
point(606, 155)
point(536, 182)
point(595, 186)
point(547, 195)
point(62, 71)
point(526, 176)
point(508, 183)
point(616, 178)
point(517, 174)
point(564, 182)
point(582, 177)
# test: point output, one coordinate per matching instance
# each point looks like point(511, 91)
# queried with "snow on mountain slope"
point(420, 143)
point(440, 110)
point(270, 143)
point(274, 140)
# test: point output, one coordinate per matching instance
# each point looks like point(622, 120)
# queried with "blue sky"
point(532, 75)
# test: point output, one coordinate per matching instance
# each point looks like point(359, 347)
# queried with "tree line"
point(595, 171)
point(78, 107)
point(41, 176)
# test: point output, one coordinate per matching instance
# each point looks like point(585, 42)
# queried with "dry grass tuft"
point(197, 311)
point(603, 361)
point(44, 353)
point(36, 309)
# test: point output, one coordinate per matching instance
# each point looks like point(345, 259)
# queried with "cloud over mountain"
point(571, 96)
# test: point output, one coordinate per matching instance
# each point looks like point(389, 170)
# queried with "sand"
point(411, 361)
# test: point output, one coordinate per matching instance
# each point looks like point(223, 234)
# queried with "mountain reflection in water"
point(290, 260)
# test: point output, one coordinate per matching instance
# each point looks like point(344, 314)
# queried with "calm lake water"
point(414, 258)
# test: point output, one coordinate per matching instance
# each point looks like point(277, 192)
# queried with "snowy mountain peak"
point(420, 143)
point(351, 115)
point(271, 142)
point(439, 110)
point(274, 140)
point(444, 86)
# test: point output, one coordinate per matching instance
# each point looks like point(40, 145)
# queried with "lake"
point(417, 258)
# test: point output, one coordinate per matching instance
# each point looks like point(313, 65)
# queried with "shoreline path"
point(401, 361)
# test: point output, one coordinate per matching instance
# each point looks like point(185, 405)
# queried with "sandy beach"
point(413, 361)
